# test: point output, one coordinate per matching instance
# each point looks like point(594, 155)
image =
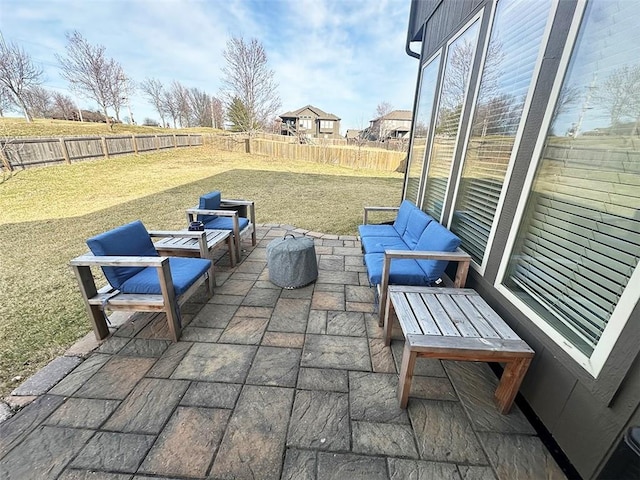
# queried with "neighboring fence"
point(21, 153)
point(352, 157)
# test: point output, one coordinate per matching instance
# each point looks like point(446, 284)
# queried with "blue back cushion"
point(406, 207)
point(209, 201)
point(131, 240)
point(436, 238)
point(418, 221)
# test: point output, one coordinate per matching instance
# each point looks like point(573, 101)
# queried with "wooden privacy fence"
point(345, 156)
point(21, 153)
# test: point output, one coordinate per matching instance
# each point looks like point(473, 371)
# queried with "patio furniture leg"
point(389, 316)
point(171, 305)
point(510, 382)
point(88, 290)
point(406, 374)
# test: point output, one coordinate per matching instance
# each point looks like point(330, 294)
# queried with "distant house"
point(352, 134)
point(395, 124)
point(310, 121)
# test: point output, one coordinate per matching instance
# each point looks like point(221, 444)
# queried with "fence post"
point(5, 159)
point(135, 143)
point(65, 151)
point(105, 150)
point(157, 142)
point(247, 143)
point(175, 141)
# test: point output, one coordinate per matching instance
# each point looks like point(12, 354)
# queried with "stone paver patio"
point(267, 383)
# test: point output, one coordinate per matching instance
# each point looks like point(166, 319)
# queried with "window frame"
point(477, 17)
point(429, 136)
point(481, 268)
point(628, 301)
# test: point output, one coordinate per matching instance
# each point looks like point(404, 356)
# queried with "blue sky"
point(343, 56)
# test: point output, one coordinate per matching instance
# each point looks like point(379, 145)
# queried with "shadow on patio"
point(270, 383)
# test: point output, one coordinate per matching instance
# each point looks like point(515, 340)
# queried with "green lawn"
point(47, 214)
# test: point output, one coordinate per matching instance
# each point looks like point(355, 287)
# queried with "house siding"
point(586, 416)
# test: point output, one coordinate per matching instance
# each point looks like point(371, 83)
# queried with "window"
point(578, 243)
point(453, 92)
point(305, 123)
point(511, 56)
point(424, 110)
point(326, 124)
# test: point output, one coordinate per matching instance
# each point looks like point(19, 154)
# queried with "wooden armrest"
point(230, 201)
point(368, 209)
point(382, 209)
point(222, 213)
point(89, 260)
point(176, 234)
point(457, 256)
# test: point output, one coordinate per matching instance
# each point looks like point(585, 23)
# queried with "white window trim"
point(429, 133)
point(462, 31)
point(481, 268)
point(629, 298)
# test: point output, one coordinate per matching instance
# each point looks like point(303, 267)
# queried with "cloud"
point(342, 56)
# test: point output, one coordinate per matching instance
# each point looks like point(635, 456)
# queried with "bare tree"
point(171, 107)
point(182, 103)
point(89, 71)
point(6, 102)
point(618, 94)
point(217, 113)
point(39, 102)
point(63, 106)
point(200, 107)
point(154, 91)
point(18, 74)
point(247, 79)
point(120, 88)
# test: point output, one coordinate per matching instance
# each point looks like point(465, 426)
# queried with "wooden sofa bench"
point(455, 324)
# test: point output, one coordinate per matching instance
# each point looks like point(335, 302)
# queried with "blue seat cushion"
point(380, 244)
point(402, 271)
point(184, 273)
point(209, 201)
point(406, 207)
point(131, 240)
point(377, 231)
point(225, 223)
point(418, 221)
point(436, 238)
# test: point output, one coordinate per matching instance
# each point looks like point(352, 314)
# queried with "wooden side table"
point(455, 324)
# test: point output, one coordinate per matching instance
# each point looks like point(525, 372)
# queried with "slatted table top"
point(214, 238)
point(458, 315)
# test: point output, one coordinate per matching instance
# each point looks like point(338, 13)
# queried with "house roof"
point(351, 133)
point(321, 114)
point(396, 115)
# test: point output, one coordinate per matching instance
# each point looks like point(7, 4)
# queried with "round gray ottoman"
point(292, 261)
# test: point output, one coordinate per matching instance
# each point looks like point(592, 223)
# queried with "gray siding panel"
point(586, 416)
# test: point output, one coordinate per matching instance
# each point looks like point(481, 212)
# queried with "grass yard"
point(47, 214)
point(45, 127)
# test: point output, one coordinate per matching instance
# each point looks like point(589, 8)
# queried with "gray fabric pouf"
point(292, 261)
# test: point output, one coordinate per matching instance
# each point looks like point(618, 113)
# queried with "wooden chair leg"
point(88, 290)
point(406, 374)
point(170, 303)
point(510, 382)
point(389, 316)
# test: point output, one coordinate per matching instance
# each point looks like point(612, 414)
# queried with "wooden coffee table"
point(178, 246)
point(455, 324)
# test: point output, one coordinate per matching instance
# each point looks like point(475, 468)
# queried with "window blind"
point(455, 83)
point(421, 128)
point(513, 48)
point(579, 240)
